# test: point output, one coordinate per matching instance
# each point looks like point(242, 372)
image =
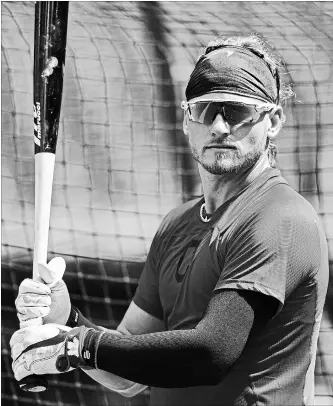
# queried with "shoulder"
point(279, 212)
point(291, 227)
point(184, 209)
point(272, 195)
point(179, 214)
point(282, 202)
point(285, 219)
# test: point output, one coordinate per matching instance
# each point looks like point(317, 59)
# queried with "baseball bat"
point(49, 59)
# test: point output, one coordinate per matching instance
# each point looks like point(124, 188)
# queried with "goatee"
point(226, 163)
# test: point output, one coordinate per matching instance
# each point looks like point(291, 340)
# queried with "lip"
point(221, 146)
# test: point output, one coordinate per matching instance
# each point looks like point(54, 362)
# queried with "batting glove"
point(48, 349)
point(45, 300)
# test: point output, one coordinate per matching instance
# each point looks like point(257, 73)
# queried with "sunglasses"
point(234, 113)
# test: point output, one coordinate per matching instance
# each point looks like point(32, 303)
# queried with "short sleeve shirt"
point(266, 239)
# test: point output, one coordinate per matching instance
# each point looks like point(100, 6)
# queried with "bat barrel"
point(51, 18)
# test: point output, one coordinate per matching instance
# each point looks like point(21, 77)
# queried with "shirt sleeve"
point(147, 293)
point(269, 253)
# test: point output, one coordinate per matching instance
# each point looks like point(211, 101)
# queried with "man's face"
point(221, 149)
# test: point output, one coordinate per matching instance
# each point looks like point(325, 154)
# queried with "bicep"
point(230, 318)
point(138, 321)
point(243, 306)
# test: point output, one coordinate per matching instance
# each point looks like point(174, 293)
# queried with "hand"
point(48, 349)
point(45, 300)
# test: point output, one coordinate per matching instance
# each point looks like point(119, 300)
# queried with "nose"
point(219, 126)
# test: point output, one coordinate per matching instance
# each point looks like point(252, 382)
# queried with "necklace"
point(206, 218)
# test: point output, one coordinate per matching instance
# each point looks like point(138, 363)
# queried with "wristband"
point(73, 317)
point(88, 350)
point(80, 340)
point(76, 319)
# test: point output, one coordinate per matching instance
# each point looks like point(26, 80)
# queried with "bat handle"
point(44, 168)
point(34, 383)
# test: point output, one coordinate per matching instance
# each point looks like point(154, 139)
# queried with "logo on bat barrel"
point(37, 125)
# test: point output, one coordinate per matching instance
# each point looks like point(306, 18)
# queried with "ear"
point(276, 119)
point(185, 123)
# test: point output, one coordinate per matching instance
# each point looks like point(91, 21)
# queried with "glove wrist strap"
point(83, 337)
point(73, 317)
point(76, 319)
point(90, 346)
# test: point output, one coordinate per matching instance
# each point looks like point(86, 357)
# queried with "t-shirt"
point(266, 239)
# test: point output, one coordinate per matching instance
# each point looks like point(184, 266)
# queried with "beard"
point(226, 161)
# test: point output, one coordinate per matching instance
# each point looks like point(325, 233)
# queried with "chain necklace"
point(205, 218)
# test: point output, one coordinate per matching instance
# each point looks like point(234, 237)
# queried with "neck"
point(220, 188)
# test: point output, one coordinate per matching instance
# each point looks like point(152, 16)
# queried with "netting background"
point(122, 160)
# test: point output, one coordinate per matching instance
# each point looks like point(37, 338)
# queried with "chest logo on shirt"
point(185, 260)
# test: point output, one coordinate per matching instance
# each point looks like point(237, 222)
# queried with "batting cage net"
point(122, 160)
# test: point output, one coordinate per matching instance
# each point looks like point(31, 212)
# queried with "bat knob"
point(33, 383)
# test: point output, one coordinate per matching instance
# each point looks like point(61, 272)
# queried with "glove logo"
point(86, 354)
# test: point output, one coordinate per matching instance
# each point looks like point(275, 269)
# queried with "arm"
point(50, 301)
point(180, 358)
point(184, 358)
point(136, 321)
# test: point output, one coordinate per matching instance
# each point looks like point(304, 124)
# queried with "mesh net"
point(122, 160)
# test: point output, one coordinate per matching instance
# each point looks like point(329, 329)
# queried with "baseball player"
point(228, 307)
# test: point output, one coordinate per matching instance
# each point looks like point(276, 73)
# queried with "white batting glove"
point(45, 300)
point(48, 349)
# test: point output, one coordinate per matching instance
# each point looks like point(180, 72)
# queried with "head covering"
point(234, 70)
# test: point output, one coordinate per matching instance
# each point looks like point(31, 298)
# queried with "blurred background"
point(122, 160)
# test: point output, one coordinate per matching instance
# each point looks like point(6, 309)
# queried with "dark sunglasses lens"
point(205, 112)
point(233, 113)
point(200, 111)
point(237, 113)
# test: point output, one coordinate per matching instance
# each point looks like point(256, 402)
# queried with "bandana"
point(234, 70)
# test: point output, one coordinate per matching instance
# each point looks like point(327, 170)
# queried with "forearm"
point(168, 359)
point(114, 382)
point(180, 358)
point(184, 358)
point(111, 381)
